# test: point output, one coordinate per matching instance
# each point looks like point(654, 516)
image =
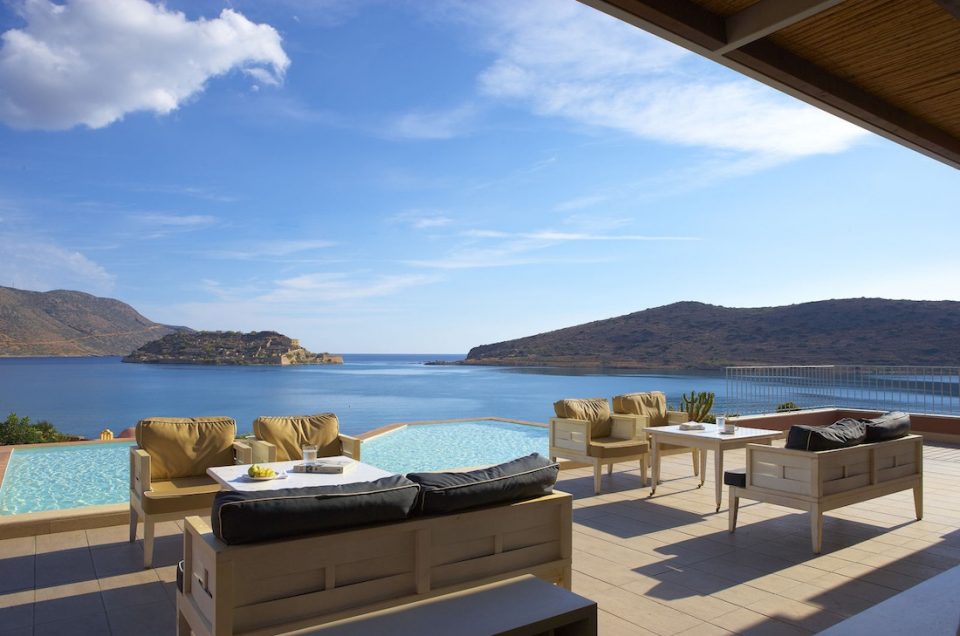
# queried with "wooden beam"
point(768, 16)
point(691, 26)
point(950, 6)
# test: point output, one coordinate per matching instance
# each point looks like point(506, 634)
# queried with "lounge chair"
point(650, 409)
point(585, 430)
point(281, 438)
point(168, 470)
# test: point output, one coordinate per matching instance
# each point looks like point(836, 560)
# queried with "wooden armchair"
point(650, 410)
point(586, 431)
point(281, 438)
point(168, 470)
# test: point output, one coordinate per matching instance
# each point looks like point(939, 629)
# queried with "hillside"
point(228, 347)
point(689, 335)
point(71, 323)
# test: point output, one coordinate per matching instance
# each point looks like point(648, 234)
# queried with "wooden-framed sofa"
point(168, 470)
point(232, 584)
point(819, 481)
point(281, 438)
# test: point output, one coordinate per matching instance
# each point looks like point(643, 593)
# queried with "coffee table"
point(709, 439)
point(235, 477)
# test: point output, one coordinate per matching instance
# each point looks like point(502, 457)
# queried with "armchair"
point(168, 470)
point(650, 410)
point(586, 431)
point(281, 438)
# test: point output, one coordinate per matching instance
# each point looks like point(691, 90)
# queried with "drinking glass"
point(309, 454)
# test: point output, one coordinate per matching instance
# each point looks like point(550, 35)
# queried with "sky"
point(406, 176)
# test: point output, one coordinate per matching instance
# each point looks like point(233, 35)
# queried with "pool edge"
point(27, 524)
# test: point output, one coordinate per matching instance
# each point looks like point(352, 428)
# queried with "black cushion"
point(840, 434)
point(180, 576)
point(523, 478)
point(248, 517)
point(888, 426)
point(735, 477)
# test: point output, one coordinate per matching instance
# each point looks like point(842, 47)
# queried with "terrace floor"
point(662, 565)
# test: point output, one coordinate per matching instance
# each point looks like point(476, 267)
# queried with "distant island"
point(71, 323)
point(692, 335)
point(228, 347)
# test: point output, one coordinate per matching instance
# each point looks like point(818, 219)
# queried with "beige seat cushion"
point(652, 404)
point(290, 432)
point(179, 495)
point(593, 410)
point(186, 446)
point(612, 447)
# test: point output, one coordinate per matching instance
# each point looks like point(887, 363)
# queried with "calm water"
point(85, 395)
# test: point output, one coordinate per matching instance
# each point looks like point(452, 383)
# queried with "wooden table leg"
point(702, 452)
point(718, 472)
point(655, 478)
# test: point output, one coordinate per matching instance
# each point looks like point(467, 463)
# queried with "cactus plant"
point(697, 405)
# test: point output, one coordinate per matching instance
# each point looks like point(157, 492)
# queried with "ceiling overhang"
point(802, 47)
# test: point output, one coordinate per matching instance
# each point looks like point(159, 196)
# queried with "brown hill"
point(71, 323)
point(696, 335)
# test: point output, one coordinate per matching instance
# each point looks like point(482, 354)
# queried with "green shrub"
point(19, 430)
point(787, 406)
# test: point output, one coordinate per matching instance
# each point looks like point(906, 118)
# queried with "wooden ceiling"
point(891, 66)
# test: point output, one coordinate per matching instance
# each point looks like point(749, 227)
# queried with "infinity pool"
point(453, 445)
point(57, 477)
point(74, 476)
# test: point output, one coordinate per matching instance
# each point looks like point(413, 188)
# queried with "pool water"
point(453, 445)
point(57, 477)
point(74, 476)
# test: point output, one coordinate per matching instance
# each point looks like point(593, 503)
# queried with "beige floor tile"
point(18, 547)
point(75, 539)
point(91, 624)
point(16, 610)
point(745, 621)
point(62, 601)
point(612, 625)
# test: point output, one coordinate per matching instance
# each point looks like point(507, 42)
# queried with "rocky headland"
point(692, 335)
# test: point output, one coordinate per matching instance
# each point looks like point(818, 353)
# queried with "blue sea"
point(85, 395)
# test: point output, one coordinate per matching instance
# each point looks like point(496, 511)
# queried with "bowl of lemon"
point(261, 473)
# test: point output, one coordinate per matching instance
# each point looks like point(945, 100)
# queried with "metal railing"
point(761, 389)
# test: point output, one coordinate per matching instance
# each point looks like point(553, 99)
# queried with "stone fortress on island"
point(228, 347)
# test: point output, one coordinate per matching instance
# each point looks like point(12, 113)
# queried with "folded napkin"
point(692, 426)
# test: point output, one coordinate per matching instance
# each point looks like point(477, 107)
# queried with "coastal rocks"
point(228, 347)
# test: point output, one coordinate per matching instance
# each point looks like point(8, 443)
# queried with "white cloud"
point(177, 220)
point(41, 266)
point(331, 287)
point(438, 124)
point(422, 219)
point(526, 248)
point(567, 60)
point(89, 62)
point(272, 249)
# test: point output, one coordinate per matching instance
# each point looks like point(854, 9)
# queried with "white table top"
point(711, 431)
point(235, 477)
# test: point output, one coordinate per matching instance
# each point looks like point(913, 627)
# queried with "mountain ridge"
point(71, 323)
point(694, 335)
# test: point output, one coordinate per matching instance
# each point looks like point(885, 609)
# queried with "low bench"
point(818, 481)
point(523, 606)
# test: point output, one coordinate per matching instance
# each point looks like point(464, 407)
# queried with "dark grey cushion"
point(523, 478)
point(888, 426)
point(248, 517)
point(840, 434)
point(735, 477)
